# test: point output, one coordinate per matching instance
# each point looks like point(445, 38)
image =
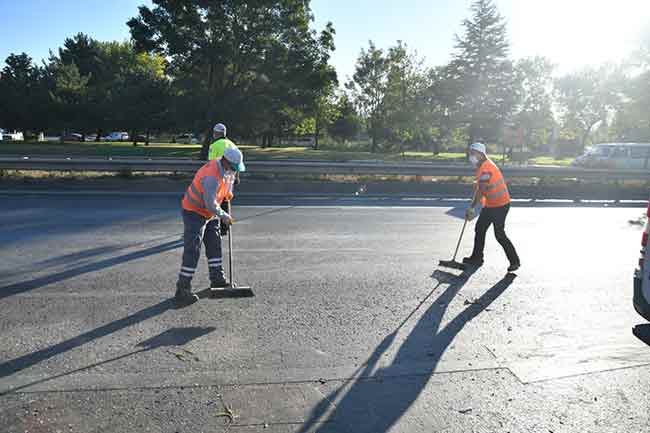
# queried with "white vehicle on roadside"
point(187, 138)
point(641, 298)
point(116, 136)
point(616, 155)
point(11, 136)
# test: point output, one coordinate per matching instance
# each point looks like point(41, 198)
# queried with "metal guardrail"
point(312, 168)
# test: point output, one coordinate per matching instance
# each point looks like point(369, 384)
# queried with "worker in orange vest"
point(202, 218)
point(492, 191)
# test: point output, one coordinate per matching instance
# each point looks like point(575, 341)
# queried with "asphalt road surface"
point(354, 328)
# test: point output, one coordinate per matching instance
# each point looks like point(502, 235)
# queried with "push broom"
point(453, 263)
point(232, 290)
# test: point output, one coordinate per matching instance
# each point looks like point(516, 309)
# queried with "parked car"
point(72, 137)
point(186, 138)
point(11, 136)
point(116, 136)
point(91, 137)
point(143, 137)
point(615, 155)
point(641, 298)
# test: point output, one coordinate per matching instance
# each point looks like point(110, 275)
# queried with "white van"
point(616, 155)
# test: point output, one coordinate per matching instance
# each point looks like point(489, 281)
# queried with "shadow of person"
point(15, 365)
point(171, 337)
point(24, 286)
point(376, 398)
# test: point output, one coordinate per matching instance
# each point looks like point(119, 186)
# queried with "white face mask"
point(473, 159)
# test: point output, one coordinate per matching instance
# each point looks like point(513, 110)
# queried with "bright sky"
point(572, 33)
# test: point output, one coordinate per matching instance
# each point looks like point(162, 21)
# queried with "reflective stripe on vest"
point(496, 184)
point(492, 185)
point(198, 204)
point(195, 195)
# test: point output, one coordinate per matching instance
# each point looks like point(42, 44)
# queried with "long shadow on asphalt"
point(367, 404)
point(67, 259)
point(79, 258)
point(21, 363)
point(171, 337)
point(24, 286)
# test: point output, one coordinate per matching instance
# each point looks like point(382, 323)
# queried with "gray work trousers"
point(199, 229)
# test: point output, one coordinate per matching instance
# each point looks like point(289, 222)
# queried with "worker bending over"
point(491, 190)
point(202, 219)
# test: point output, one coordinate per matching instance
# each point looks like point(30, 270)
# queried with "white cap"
point(220, 127)
point(234, 156)
point(479, 147)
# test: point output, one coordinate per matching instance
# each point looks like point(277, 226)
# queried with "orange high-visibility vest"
point(492, 186)
point(193, 198)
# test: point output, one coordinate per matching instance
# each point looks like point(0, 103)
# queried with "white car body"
point(11, 136)
point(116, 136)
point(187, 139)
point(616, 156)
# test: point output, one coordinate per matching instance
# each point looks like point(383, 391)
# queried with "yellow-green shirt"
point(218, 147)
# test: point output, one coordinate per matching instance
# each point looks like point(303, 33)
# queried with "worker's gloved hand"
point(225, 219)
point(470, 213)
point(223, 229)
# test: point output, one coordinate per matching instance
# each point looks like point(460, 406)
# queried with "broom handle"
point(459, 240)
point(230, 265)
point(463, 230)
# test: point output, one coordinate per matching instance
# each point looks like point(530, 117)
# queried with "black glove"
point(223, 228)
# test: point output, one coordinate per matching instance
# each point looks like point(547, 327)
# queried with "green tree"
point(346, 124)
point(632, 120)
point(534, 111)
point(70, 96)
point(587, 98)
point(368, 88)
point(243, 62)
point(92, 110)
point(325, 112)
point(484, 73)
point(442, 100)
point(141, 91)
point(24, 97)
point(407, 114)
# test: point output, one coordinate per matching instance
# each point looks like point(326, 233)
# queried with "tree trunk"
point(316, 134)
point(583, 140)
point(205, 147)
point(146, 143)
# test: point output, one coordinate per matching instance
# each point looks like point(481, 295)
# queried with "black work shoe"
point(184, 293)
point(514, 266)
point(473, 261)
point(219, 282)
point(183, 297)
